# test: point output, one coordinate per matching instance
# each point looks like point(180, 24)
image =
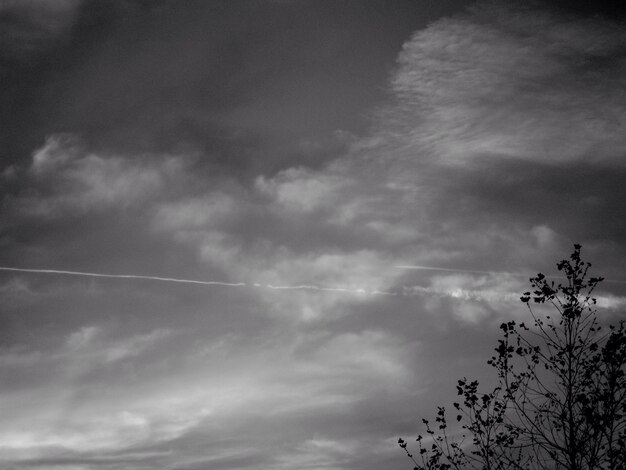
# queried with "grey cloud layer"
point(250, 84)
point(28, 29)
point(500, 146)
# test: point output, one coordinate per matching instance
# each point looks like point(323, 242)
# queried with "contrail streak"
point(402, 291)
point(473, 271)
point(328, 289)
point(195, 281)
point(453, 270)
point(124, 276)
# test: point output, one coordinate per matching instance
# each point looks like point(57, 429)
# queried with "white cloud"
point(90, 347)
point(17, 358)
point(611, 302)
point(319, 453)
point(545, 236)
point(87, 349)
point(82, 338)
point(65, 412)
point(303, 375)
point(470, 297)
point(341, 276)
point(211, 210)
point(16, 287)
point(368, 356)
point(300, 190)
point(65, 179)
point(515, 82)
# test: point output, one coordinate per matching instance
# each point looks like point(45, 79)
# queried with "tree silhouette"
point(560, 399)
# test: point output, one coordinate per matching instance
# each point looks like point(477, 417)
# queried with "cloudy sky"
point(297, 222)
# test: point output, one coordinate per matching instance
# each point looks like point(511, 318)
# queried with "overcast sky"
point(307, 164)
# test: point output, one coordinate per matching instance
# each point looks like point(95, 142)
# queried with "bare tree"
point(560, 402)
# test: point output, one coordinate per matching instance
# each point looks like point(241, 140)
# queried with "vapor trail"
point(309, 287)
point(473, 271)
point(456, 270)
point(124, 276)
point(195, 281)
point(403, 291)
point(328, 289)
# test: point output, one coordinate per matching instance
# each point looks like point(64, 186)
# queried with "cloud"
point(361, 357)
point(197, 213)
point(84, 350)
point(298, 190)
point(66, 419)
point(204, 399)
point(494, 113)
point(513, 82)
point(499, 146)
point(66, 180)
point(93, 350)
point(253, 87)
point(32, 27)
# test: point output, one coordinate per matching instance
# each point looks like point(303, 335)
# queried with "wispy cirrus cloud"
point(66, 420)
point(513, 82)
point(299, 377)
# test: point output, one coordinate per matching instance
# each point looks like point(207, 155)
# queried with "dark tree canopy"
point(560, 399)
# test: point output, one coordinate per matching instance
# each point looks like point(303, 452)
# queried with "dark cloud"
point(547, 194)
point(31, 35)
point(612, 9)
point(30, 29)
point(239, 81)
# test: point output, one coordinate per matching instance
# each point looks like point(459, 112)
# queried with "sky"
point(272, 234)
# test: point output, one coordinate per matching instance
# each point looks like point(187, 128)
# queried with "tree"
point(560, 399)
